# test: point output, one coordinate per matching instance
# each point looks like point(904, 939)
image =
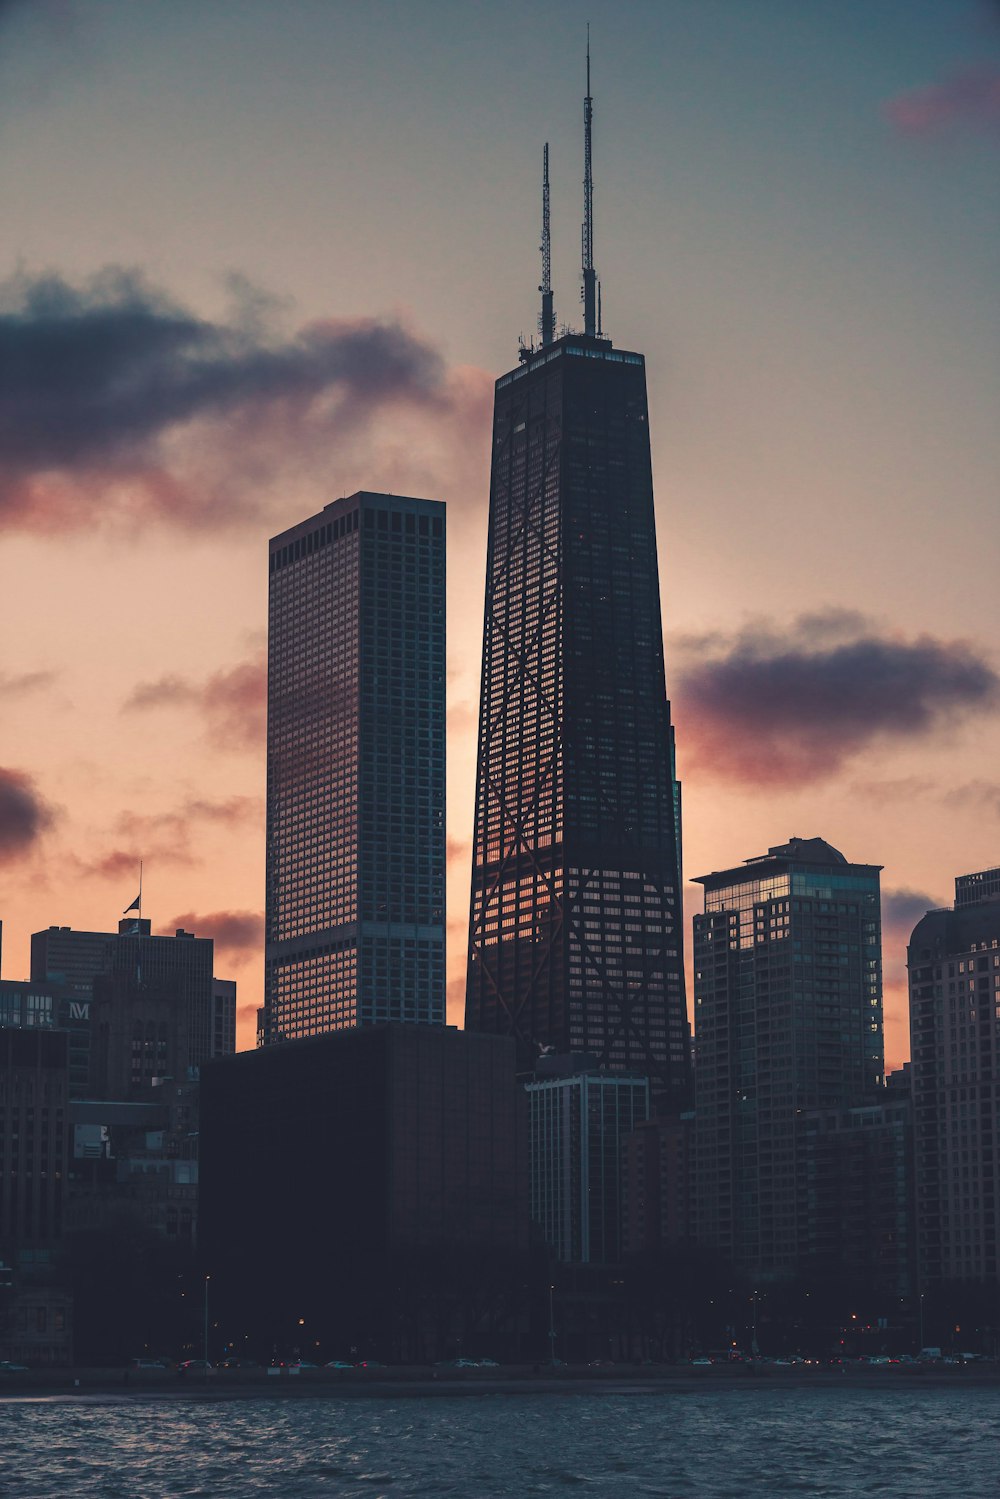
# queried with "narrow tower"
point(589, 292)
point(575, 927)
point(547, 319)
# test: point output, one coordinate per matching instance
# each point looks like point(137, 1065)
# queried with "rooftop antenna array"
point(547, 320)
point(589, 292)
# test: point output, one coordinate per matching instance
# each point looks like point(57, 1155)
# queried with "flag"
point(135, 906)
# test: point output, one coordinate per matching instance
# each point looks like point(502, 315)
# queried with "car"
point(369, 1363)
point(301, 1363)
point(237, 1363)
point(487, 1363)
point(148, 1363)
point(7, 1366)
point(338, 1363)
point(196, 1365)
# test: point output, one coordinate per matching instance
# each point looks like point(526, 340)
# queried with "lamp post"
point(552, 1327)
point(207, 1279)
point(920, 1305)
point(754, 1349)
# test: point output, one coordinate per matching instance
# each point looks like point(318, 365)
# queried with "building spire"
point(547, 319)
point(589, 292)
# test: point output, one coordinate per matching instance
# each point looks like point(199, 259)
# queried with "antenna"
point(589, 274)
point(547, 320)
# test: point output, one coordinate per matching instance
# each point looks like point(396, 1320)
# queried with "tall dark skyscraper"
point(356, 768)
point(575, 926)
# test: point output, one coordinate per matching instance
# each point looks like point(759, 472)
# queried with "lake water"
point(823, 1444)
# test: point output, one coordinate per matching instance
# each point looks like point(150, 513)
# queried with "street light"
point(207, 1279)
point(552, 1328)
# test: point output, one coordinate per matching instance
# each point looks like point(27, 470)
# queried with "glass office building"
point(355, 915)
point(575, 926)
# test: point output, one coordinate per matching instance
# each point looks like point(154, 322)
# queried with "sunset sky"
point(257, 255)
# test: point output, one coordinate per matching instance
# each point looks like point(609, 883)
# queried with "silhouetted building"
point(788, 1018)
point(579, 1122)
point(223, 1017)
point(657, 1185)
point(137, 1158)
point(953, 960)
point(49, 1006)
point(855, 1176)
point(355, 899)
point(575, 937)
point(131, 968)
point(35, 1318)
point(374, 1173)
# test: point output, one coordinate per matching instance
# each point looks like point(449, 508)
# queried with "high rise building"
point(575, 926)
point(127, 967)
point(788, 1017)
point(355, 903)
point(953, 959)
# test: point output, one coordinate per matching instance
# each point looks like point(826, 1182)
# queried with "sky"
point(254, 257)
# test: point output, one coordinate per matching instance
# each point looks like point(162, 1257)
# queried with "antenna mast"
point(547, 320)
point(589, 292)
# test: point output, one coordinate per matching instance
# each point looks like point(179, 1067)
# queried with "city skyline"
point(808, 268)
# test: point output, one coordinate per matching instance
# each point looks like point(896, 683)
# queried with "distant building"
point(355, 897)
point(953, 960)
point(373, 1171)
point(788, 1018)
point(580, 1118)
point(121, 967)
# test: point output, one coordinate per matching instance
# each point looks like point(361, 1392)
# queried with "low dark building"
point(856, 1177)
point(366, 1189)
point(34, 1097)
point(657, 1185)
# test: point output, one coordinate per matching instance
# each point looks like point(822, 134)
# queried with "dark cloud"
point(238, 935)
point(24, 814)
point(118, 401)
point(901, 910)
point(232, 702)
point(969, 97)
point(789, 707)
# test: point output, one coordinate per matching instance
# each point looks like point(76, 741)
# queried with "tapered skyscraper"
point(575, 926)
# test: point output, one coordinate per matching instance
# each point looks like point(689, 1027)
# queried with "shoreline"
point(99, 1385)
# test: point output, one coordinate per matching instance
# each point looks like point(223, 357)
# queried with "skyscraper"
point(788, 1018)
point(953, 960)
point(356, 768)
point(575, 924)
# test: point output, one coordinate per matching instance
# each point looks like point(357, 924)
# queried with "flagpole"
point(140, 892)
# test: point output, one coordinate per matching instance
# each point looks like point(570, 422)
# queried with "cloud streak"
point(119, 403)
point(969, 98)
point(232, 702)
point(165, 838)
point(24, 814)
point(770, 706)
point(238, 935)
